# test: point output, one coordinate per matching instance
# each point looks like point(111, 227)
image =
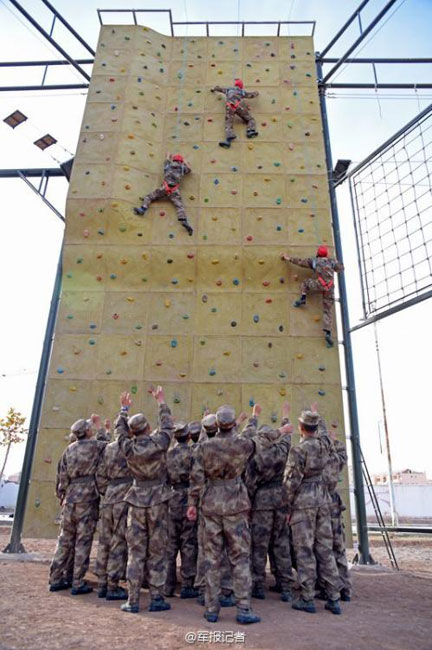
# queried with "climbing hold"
point(266, 283)
point(281, 328)
point(213, 310)
point(300, 230)
point(158, 363)
point(162, 213)
point(185, 316)
point(251, 402)
point(269, 300)
point(234, 169)
point(138, 342)
point(276, 164)
point(113, 276)
point(99, 278)
point(169, 260)
point(92, 342)
point(138, 327)
point(233, 323)
point(299, 355)
point(278, 228)
point(227, 353)
point(154, 326)
point(219, 283)
point(256, 318)
point(115, 316)
point(173, 343)
point(85, 233)
point(69, 316)
point(79, 260)
point(278, 201)
point(92, 326)
point(321, 368)
point(123, 353)
point(212, 372)
point(204, 298)
point(236, 282)
point(60, 370)
point(215, 261)
point(255, 364)
point(249, 237)
point(321, 392)
point(261, 261)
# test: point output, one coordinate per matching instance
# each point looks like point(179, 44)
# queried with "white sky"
point(31, 234)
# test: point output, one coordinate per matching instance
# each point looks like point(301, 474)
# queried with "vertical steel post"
point(360, 505)
point(15, 545)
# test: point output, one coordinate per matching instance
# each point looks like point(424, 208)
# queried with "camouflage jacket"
point(174, 171)
point(100, 435)
point(337, 461)
point(113, 475)
point(265, 471)
point(77, 471)
point(216, 475)
point(235, 94)
point(304, 480)
point(179, 465)
point(324, 267)
point(146, 459)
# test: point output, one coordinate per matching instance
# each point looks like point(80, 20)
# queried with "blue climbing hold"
point(174, 343)
point(92, 326)
point(236, 282)
point(256, 318)
point(251, 402)
point(60, 370)
point(321, 392)
point(212, 372)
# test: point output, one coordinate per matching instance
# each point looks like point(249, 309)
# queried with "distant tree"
point(11, 432)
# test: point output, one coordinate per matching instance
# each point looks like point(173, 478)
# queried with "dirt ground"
point(390, 610)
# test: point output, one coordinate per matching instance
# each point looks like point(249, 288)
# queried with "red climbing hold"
point(249, 237)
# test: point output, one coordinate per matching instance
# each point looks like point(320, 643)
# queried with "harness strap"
point(169, 189)
point(326, 285)
point(233, 106)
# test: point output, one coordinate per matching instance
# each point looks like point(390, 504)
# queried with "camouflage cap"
point(72, 438)
point(209, 422)
point(138, 423)
point(80, 428)
point(181, 429)
point(194, 427)
point(309, 418)
point(225, 417)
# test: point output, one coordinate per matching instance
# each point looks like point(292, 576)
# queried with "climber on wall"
point(236, 106)
point(324, 267)
point(175, 167)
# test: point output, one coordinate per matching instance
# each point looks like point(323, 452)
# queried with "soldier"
point(218, 467)
point(235, 105)
point(194, 432)
point(208, 429)
point(269, 527)
point(113, 480)
point(309, 513)
point(182, 533)
point(175, 167)
point(79, 496)
point(337, 461)
point(324, 267)
point(147, 523)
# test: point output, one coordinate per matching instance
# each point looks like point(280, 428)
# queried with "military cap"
point(225, 417)
point(194, 427)
point(209, 422)
point(138, 423)
point(309, 418)
point(72, 438)
point(80, 428)
point(181, 429)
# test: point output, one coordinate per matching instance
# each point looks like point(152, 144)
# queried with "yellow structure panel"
point(208, 316)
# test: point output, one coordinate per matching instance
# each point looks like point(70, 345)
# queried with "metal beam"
point(361, 38)
point(394, 86)
point(69, 27)
point(41, 195)
point(23, 64)
point(378, 60)
point(414, 530)
point(31, 173)
point(49, 38)
point(393, 310)
point(46, 87)
point(362, 534)
point(342, 29)
point(15, 544)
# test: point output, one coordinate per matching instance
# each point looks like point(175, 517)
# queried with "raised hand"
point(158, 394)
point(256, 411)
point(107, 425)
point(125, 399)
point(286, 410)
point(241, 418)
point(314, 407)
point(286, 430)
point(95, 419)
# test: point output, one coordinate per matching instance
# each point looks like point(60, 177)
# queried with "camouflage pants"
point(147, 538)
point(182, 537)
point(243, 113)
point(77, 528)
point(314, 286)
point(225, 569)
point(340, 552)
point(231, 531)
point(69, 568)
point(174, 197)
point(313, 544)
point(112, 548)
point(271, 531)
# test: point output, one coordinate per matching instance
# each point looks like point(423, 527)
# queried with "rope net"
point(392, 203)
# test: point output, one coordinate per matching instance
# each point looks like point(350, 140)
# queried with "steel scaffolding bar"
point(69, 27)
point(24, 64)
point(342, 29)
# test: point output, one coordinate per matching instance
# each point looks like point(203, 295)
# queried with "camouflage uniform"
point(182, 533)
point(235, 105)
point(324, 268)
point(216, 479)
point(147, 522)
point(78, 492)
point(337, 461)
point(308, 503)
point(270, 530)
point(173, 173)
point(114, 480)
point(225, 568)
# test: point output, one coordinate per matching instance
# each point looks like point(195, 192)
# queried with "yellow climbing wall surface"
point(210, 317)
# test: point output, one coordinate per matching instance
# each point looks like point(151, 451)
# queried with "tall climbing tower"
point(210, 317)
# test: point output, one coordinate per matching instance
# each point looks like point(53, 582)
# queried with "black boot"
point(333, 606)
point(304, 606)
point(140, 211)
point(227, 600)
point(286, 596)
point(246, 617)
point(131, 608)
point(84, 588)
point(201, 598)
point(158, 604)
point(211, 617)
point(345, 595)
point(116, 594)
point(258, 592)
point(301, 301)
point(60, 586)
point(251, 133)
point(188, 592)
point(225, 144)
point(102, 591)
point(328, 338)
point(277, 587)
point(188, 227)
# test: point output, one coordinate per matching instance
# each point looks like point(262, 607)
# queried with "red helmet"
point(239, 83)
point(178, 158)
point(322, 251)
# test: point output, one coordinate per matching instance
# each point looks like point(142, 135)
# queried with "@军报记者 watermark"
point(215, 636)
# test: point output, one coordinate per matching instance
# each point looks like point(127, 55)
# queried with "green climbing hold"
point(278, 201)
point(134, 390)
point(176, 400)
point(122, 228)
point(251, 402)
point(138, 327)
point(173, 343)
point(185, 317)
point(69, 316)
point(113, 276)
point(213, 310)
point(108, 372)
point(79, 260)
point(92, 342)
point(276, 164)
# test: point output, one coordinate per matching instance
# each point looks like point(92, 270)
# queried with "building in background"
point(404, 477)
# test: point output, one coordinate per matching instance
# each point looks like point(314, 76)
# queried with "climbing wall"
point(210, 316)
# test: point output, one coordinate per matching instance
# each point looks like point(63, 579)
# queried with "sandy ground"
point(390, 610)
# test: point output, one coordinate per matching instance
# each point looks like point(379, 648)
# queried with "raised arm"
point(251, 94)
point(306, 262)
point(218, 89)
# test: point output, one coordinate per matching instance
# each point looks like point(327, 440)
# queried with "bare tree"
point(11, 432)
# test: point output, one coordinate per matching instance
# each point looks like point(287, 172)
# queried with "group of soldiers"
point(176, 167)
point(223, 497)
